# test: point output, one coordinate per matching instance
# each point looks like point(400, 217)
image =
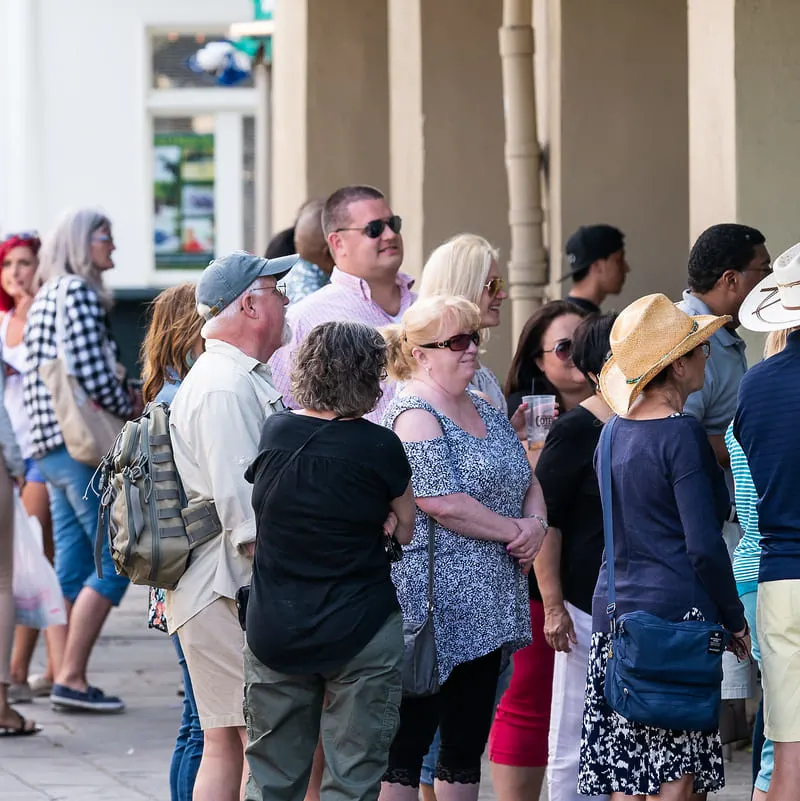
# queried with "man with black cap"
point(597, 265)
point(215, 427)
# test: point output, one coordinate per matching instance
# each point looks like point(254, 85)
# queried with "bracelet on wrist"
point(542, 521)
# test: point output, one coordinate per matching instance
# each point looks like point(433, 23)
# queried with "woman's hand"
point(739, 644)
point(518, 422)
point(559, 630)
point(390, 524)
point(528, 542)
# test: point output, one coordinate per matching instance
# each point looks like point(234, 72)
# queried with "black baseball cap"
point(589, 244)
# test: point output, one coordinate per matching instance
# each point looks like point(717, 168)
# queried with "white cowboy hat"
point(774, 304)
point(648, 336)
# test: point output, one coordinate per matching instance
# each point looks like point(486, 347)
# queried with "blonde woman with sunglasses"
point(467, 266)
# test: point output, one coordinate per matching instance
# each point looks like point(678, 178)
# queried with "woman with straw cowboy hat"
point(669, 500)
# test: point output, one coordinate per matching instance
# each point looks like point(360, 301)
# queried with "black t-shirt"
point(583, 304)
point(321, 585)
point(572, 494)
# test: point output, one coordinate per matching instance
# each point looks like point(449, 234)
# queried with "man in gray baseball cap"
point(227, 277)
point(215, 427)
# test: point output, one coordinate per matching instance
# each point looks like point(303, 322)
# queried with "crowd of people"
point(370, 474)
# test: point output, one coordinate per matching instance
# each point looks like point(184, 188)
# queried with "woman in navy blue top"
point(669, 501)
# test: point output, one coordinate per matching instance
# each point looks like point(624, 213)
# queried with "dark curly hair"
point(339, 368)
point(723, 247)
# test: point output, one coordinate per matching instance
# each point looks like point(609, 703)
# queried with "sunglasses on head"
point(20, 235)
point(374, 228)
point(562, 350)
point(458, 343)
point(495, 285)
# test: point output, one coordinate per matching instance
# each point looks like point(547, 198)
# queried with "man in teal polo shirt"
point(725, 263)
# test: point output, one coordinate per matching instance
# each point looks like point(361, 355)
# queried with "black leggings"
point(462, 711)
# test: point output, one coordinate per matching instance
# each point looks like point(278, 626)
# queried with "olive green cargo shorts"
point(355, 711)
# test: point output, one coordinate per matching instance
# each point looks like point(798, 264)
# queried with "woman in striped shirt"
point(747, 557)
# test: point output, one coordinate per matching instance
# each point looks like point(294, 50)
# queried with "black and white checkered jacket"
point(87, 347)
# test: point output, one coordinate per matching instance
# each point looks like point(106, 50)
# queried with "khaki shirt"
point(215, 427)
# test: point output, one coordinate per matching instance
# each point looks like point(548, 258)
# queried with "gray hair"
point(339, 368)
point(66, 250)
point(214, 323)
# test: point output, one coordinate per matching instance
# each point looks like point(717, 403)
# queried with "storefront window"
point(183, 192)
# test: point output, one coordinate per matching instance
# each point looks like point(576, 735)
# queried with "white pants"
point(566, 713)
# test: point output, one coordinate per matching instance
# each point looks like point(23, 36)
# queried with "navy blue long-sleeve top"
point(767, 427)
point(669, 503)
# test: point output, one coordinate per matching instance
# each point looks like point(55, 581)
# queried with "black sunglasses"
point(562, 350)
point(374, 228)
point(458, 343)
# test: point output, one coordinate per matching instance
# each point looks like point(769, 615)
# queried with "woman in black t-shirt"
point(568, 564)
point(324, 630)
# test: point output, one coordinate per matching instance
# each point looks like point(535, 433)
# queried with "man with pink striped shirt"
point(366, 284)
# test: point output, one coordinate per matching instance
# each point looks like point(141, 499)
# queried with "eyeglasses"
point(20, 235)
point(562, 350)
point(374, 228)
point(280, 291)
point(495, 285)
point(103, 238)
point(458, 343)
point(705, 347)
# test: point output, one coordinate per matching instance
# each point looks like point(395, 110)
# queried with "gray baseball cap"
point(228, 276)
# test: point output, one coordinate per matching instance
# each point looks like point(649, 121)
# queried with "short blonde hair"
point(425, 322)
point(776, 341)
point(459, 266)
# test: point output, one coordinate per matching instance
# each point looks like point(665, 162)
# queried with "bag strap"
point(61, 313)
point(282, 469)
point(608, 514)
point(431, 548)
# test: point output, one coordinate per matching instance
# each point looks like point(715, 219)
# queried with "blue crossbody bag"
point(662, 673)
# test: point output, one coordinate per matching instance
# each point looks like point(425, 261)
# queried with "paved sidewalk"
point(126, 757)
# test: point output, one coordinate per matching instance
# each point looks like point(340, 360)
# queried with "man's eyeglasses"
point(458, 343)
point(562, 350)
point(494, 286)
point(706, 348)
point(374, 228)
point(279, 290)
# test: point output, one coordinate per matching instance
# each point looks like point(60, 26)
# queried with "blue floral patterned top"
point(480, 594)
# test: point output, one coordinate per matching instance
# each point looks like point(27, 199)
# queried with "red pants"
point(522, 723)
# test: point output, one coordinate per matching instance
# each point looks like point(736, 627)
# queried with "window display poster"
point(183, 193)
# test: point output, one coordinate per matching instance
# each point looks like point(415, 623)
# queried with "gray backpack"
point(151, 529)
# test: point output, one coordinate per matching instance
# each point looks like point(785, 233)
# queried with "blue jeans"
point(432, 757)
point(748, 600)
point(75, 529)
point(189, 745)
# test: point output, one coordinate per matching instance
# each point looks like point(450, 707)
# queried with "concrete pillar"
point(447, 131)
point(617, 133)
point(744, 84)
point(330, 107)
point(21, 117)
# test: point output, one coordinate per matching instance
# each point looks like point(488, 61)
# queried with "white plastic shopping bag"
point(37, 594)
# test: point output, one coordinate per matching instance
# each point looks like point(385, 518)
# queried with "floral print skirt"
point(620, 756)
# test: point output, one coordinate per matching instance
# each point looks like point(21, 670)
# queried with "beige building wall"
point(617, 133)
point(448, 132)
point(330, 100)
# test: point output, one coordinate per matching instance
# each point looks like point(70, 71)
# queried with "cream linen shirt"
point(215, 427)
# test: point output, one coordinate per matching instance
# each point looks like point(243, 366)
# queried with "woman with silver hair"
point(77, 253)
point(324, 628)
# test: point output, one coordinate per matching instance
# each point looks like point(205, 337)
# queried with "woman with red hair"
point(18, 264)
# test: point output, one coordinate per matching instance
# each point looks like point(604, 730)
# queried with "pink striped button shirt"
point(347, 297)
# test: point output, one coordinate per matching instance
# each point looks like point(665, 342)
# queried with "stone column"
point(616, 133)
point(330, 108)
point(447, 131)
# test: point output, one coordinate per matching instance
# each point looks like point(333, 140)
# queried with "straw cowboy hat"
point(774, 303)
point(648, 336)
